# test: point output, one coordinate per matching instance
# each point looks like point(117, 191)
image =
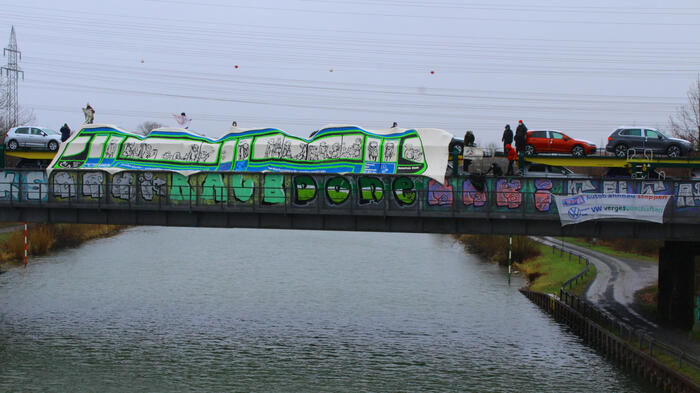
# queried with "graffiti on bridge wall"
point(528, 195)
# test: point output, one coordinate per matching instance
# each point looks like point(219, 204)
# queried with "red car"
point(556, 142)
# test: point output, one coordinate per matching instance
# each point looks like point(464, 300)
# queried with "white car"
point(30, 137)
point(549, 171)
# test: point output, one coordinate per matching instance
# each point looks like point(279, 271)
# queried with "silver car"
point(29, 137)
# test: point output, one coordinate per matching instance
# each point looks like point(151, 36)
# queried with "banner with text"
point(583, 207)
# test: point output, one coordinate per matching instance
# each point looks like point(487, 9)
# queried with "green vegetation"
point(548, 272)
point(495, 248)
point(44, 238)
point(644, 250)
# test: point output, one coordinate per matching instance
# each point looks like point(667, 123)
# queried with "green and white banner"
point(333, 149)
point(584, 207)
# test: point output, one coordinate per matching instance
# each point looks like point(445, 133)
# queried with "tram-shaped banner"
point(333, 149)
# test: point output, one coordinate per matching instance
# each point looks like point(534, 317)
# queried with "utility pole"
point(12, 71)
point(510, 254)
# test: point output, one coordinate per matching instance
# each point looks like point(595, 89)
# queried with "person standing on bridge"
point(507, 138)
point(520, 136)
point(65, 132)
point(512, 155)
point(89, 114)
point(469, 139)
point(182, 120)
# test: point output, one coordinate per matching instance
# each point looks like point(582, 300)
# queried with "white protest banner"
point(583, 207)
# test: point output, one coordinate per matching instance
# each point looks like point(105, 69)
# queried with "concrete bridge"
point(496, 205)
point(505, 205)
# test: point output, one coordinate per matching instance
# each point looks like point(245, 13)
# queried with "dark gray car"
point(641, 139)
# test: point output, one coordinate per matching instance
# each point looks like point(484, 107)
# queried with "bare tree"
point(686, 122)
point(25, 116)
point(147, 126)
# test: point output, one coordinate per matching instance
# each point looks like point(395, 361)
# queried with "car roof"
point(636, 127)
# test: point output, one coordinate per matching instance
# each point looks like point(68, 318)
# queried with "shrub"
point(495, 247)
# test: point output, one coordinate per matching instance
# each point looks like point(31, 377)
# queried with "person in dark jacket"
point(520, 136)
point(469, 139)
point(512, 155)
point(65, 132)
point(468, 142)
point(507, 138)
point(497, 171)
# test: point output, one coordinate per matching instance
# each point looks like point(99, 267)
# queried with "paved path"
point(613, 290)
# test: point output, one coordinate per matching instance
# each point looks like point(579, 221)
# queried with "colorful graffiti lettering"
point(439, 194)
point(338, 190)
point(473, 196)
point(404, 191)
point(213, 188)
point(543, 194)
point(304, 190)
point(273, 189)
point(508, 193)
point(688, 194)
point(371, 190)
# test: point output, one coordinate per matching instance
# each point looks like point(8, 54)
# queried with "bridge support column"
point(679, 284)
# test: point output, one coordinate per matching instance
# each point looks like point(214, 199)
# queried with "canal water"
point(185, 309)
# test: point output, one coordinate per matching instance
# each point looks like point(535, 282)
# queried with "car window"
point(560, 169)
point(652, 134)
point(537, 168)
point(556, 135)
point(36, 131)
point(50, 131)
point(632, 132)
point(538, 134)
point(23, 130)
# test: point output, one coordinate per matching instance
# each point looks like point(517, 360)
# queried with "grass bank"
point(45, 238)
point(551, 268)
point(642, 250)
point(546, 271)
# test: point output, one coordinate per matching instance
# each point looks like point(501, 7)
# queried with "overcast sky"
point(583, 68)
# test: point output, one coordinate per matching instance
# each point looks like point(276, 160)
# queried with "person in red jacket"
point(512, 156)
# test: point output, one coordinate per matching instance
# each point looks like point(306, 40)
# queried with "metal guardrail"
point(637, 337)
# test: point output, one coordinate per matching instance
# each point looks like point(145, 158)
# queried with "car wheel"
point(673, 151)
point(53, 146)
point(12, 145)
point(578, 151)
point(529, 150)
point(621, 151)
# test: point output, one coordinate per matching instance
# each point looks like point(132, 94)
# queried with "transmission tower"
point(12, 71)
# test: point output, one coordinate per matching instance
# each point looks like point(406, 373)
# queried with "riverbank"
point(545, 268)
point(46, 238)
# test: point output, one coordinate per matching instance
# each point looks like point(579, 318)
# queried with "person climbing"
point(182, 120)
point(469, 139)
point(234, 124)
point(507, 138)
point(65, 132)
point(512, 155)
point(497, 171)
point(395, 125)
point(520, 136)
point(89, 114)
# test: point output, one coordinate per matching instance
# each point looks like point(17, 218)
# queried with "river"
point(186, 309)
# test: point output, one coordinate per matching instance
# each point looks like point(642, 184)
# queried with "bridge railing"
point(638, 337)
point(370, 194)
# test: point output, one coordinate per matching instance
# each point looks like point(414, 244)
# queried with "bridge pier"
point(679, 284)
